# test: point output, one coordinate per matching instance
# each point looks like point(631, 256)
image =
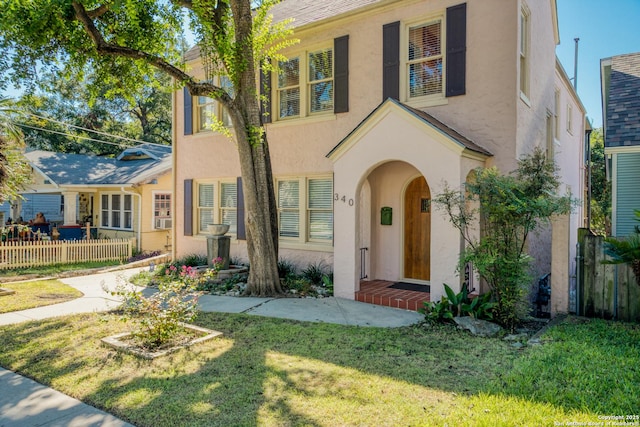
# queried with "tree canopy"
point(125, 41)
point(67, 116)
point(15, 172)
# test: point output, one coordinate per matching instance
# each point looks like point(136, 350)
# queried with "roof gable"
point(447, 134)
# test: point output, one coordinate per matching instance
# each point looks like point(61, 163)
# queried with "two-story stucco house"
point(620, 77)
point(380, 104)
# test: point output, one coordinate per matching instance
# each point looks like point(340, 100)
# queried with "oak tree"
point(125, 40)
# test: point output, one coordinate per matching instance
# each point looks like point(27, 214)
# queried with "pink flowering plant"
point(217, 264)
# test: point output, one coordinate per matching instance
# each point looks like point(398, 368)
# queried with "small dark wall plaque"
point(386, 214)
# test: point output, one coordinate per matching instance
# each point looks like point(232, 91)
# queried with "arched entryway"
point(417, 230)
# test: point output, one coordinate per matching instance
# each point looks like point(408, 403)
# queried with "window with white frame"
point(569, 118)
point(550, 149)
point(162, 211)
point(208, 110)
point(305, 84)
point(424, 59)
point(217, 204)
point(117, 211)
point(305, 209)
point(524, 50)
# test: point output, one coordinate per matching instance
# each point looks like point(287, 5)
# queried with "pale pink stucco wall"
point(491, 114)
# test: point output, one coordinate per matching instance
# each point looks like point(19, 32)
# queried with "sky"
point(606, 28)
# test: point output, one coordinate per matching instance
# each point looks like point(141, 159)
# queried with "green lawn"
point(52, 270)
point(36, 294)
point(273, 372)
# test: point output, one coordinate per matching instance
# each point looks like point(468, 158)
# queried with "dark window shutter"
point(391, 60)
point(456, 49)
point(241, 233)
point(188, 112)
point(188, 207)
point(265, 95)
point(341, 76)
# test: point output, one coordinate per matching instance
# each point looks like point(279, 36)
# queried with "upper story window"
point(305, 84)
point(525, 18)
point(556, 113)
point(117, 211)
point(424, 58)
point(208, 110)
point(570, 119)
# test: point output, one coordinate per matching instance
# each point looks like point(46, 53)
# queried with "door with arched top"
point(417, 230)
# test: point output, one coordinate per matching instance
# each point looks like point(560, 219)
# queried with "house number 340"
point(343, 199)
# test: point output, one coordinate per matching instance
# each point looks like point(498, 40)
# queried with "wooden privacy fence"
point(605, 290)
point(35, 253)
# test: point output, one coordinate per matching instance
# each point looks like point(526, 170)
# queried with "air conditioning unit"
point(163, 223)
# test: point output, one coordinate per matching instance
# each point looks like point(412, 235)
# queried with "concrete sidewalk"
point(24, 402)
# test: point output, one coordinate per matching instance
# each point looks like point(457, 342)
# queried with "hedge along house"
point(380, 103)
point(620, 81)
point(124, 197)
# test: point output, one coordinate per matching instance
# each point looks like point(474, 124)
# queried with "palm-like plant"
point(626, 250)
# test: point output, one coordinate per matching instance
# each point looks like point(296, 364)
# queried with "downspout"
point(174, 147)
point(139, 232)
point(588, 156)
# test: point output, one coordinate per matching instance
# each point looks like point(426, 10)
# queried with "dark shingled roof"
point(305, 12)
point(622, 116)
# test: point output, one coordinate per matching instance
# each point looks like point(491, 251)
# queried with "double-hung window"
point(210, 111)
point(217, 204)
point(305, 209)
point(117, 211)
point(305, 84)
point(162, 211)
point(424, 58)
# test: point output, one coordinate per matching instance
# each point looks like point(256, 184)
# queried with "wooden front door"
point(417, 230)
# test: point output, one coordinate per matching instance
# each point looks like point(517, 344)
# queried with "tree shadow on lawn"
point(277, 372)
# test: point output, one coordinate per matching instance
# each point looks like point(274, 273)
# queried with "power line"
point(73, 136)
point(94, 131)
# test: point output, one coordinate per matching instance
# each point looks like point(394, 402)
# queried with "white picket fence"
point(31, 254)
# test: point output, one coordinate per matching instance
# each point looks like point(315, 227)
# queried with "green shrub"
point(299, 285)
point(192, 260)
point(314, 273)
point(327, 282)
point(157, 317)
point(507, 209)
point(285, 268)
point(455, 305)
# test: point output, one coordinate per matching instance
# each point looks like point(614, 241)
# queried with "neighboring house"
point(127, 196)
point(379, 105)
point(620, 81)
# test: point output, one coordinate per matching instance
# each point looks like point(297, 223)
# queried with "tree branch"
point(98, 11)
point(105, 48)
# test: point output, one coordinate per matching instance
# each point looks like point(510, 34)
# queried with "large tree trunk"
point(255, 165)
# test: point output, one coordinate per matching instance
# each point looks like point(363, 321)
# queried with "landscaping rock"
point(516, 337)
point(477, 326)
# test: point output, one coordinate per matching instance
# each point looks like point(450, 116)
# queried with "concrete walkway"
point(24, 402)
